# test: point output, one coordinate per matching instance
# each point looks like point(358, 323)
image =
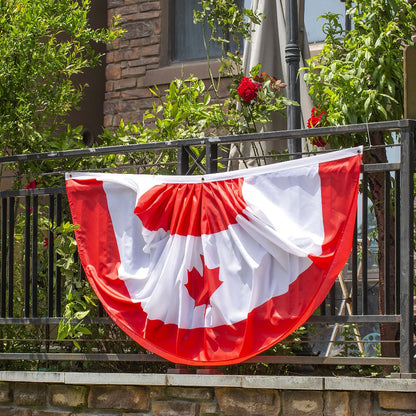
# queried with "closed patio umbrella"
point(268, 48)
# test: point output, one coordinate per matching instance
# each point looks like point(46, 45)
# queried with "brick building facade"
point(130, 58)
point(134, 63)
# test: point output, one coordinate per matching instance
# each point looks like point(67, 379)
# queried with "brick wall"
point(139, 60)
point(129, 58)
point(20, 398)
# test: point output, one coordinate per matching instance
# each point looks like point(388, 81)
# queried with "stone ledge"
point(198, 380)
point(369, 384)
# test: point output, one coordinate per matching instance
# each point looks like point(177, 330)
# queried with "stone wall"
point(78, 394)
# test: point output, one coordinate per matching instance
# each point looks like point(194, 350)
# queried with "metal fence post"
point(406, 250)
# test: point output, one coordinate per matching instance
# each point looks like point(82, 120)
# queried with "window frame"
point(169, 70)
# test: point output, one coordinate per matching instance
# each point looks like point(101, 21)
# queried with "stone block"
point(126, 54)
point(114, 3)
point(50, 413)
point(103, 414)
point(362, 403)
point(30, 394)
point(303, 403)
point(397, 400)
point(68, 396)
point(124, 83)
point(112, 95)
point(191, 393)
point(112, 71)
point(140, 42)
point(15, 411)
point(150, 5)
point(134, 72)
point(111, 107)
point(134, 94)
point(127, 106)
point(133, 414)
point(246, 402)
point(384, 413)
point(126, 10)
point(136, 30)
point(206, 409)
point(158, 393)
point(151, 50)
point(121, 397)
point(150, 15)
point(173, 408)
point(5, 393)
point(337, 403)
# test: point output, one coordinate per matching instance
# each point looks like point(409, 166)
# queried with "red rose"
point(46, 242)
point(31, 185)
point(247, 89)
point(316, 120)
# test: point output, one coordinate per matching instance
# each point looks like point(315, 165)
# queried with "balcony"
point(347, 330)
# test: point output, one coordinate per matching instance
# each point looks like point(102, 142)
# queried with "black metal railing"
point(347, 329)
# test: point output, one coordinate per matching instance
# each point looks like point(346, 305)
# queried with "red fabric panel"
point(192, 209)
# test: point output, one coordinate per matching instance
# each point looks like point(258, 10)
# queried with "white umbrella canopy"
point(268, 48)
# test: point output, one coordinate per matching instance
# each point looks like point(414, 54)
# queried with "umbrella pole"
point(292, 55)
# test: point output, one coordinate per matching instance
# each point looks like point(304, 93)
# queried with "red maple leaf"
point(201, 288)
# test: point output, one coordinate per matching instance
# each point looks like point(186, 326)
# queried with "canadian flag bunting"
point(214, 269)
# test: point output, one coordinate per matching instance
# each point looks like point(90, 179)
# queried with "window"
point(186, 38)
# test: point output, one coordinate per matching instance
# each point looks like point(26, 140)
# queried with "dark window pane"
point(187, 38)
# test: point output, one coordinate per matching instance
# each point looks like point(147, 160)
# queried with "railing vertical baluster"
point(332, 300)
point(26, 267)
point(4, 248)
point(354, 272)
point(211, 157)
point(397, 240)
point(322, 308)
point(58, 282)
point(386, 248)
point(51, 255)
point(407, 249)
point(364, 239)
point(10, 259)
point(35, 225)
point(183, 161)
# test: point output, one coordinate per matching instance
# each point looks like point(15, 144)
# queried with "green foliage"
point(225, 17)
point(358, 76)
point(43, 44)
point(186, 111)
point(79, 296)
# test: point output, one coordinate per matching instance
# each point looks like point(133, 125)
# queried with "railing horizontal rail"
point(326, 319)
point(218, 140)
